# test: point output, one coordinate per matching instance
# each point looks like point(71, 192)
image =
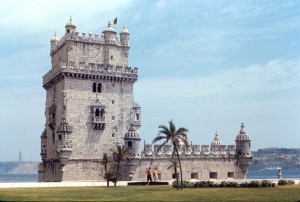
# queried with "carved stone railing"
point(98, 119)
point(102, 70)
point(192, 151)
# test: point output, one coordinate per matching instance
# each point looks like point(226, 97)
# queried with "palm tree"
point(119, 156)
point(174, 165)
point(105, 161)
point(174, 136)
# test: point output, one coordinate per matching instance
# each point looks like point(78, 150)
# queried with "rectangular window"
point(194, 175)
point(174, 176)
point(213, 175)
point(129, 144)
point(94, 87)
point(230, 174)
point(99, 89)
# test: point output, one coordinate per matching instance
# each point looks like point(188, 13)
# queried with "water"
point(252, 174)
point(18, 178)
point(272, 174)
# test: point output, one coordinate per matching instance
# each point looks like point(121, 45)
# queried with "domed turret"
point(124, 37)
point(242, 141)
point(242, 135)
point(44, 145)
point(64, 127)
point(109, 34)
point(216, 140)
point(132, 141)
point(70, 27)
point(242, 153)
point(53, 42)
point(64, 148)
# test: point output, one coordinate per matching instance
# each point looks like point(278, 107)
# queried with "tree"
point(170, 134)
point(174, 165)
point(119, 155)
point(105, 161)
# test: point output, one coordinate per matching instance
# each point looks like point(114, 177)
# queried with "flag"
point(116, 20)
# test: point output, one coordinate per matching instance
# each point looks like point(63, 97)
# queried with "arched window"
point(94, 87)
point(97, 113)
point(129, 144)
point(99, 87)
point(102, 112)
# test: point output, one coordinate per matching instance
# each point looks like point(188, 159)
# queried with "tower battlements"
point(88, 39)
point(87, 56)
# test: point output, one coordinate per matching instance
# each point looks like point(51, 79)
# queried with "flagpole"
point(116, 23)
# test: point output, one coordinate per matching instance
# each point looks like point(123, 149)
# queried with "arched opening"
point(129, 144)
point(97, 113)
point(102, 112)
point(99, 87)
point(94, 87)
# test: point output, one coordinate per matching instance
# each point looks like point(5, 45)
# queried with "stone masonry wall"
point(117, 100)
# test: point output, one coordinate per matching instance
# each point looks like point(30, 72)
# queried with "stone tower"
point(89, 103)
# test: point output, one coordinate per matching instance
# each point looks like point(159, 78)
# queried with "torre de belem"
point(90, 109)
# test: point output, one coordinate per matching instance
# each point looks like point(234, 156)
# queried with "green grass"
point(151, 193)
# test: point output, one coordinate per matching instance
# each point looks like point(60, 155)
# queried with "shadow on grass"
point(145, 183)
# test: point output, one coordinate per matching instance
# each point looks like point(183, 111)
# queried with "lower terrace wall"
point(193, 168)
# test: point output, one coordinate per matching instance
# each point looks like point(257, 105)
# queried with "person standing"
point(155, 175)
point(148, 172)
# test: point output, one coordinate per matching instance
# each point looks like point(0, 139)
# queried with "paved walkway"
point(57, 184)
point(99, 184)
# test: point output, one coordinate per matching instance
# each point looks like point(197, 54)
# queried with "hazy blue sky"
point(208, 65)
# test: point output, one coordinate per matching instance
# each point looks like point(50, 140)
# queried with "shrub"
point(206, 184)
point(286, 182)
point(254, 184)
point(185, 184)
point(266, 183)
point(244, 184)
point(174, 184)
point(232, 184)
point(282, 182)
point(201, 184)
point(223, 184)
point(228, 184)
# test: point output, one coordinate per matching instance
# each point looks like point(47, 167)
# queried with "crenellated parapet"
point(87, 55)
point(189, 151)
point(108, 37)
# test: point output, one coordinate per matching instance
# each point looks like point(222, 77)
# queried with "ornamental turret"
point(44, 145)
point(242, 153)
point(109, 34)
point(216, 140)
point(124, 37)
point(70, 27)
point(243, 143)
point(132, 141)
point(64, 148)
point(53, 42)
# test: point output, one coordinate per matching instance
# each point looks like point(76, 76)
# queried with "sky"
point(207, 65)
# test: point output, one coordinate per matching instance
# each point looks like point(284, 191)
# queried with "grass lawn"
point(151, 193)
